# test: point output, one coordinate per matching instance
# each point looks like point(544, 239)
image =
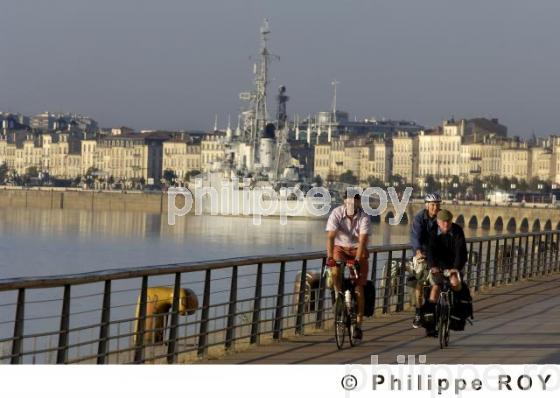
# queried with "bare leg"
point(359, 291)
point(418, 292)
point(434, 294)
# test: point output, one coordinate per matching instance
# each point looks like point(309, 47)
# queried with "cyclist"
point(424, 222)
point(447, 254)
point(347, 239)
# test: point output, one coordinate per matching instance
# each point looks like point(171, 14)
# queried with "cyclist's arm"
point(330, 243)
point(363, 236)
point(460, 251)
point(415, 234)
point(362, 245)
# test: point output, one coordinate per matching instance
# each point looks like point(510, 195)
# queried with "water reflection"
point(48, 242)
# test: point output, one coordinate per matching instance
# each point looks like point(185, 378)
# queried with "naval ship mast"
point(257, 98)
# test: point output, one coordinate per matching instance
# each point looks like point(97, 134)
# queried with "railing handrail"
point(197, 266)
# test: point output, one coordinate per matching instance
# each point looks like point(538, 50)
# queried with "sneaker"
point(417, 322)
point(357, 333)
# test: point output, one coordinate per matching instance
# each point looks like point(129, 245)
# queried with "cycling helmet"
point(432, 197)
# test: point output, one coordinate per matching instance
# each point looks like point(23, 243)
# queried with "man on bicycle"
point(423, 224)
point(447, 254)
point(347, 239)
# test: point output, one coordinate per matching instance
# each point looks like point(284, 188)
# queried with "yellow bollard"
point(158, 305)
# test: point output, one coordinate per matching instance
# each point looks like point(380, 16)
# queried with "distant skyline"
point(174, 64)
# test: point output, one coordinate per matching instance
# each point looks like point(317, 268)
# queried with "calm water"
point(49, 242)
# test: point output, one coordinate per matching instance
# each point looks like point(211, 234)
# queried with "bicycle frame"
point(345, 312)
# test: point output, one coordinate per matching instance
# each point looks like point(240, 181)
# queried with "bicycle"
point(345, 305)
point(443, 311)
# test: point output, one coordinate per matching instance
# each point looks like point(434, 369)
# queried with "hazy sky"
point(174, 64)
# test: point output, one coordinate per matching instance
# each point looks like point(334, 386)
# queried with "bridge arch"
point(548, 225)
point(499, 224)
point(460, 221)
point(404, 219)
point(388, 216)
point(536, 225)
point(473, 222)
point(511, 225)
point(485, 223)
point(524, 226)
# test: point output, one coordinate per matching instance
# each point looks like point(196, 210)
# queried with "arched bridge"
point(513, 218)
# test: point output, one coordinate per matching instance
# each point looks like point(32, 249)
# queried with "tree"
point(375, 182)
point(192, 173)
point(477, 188)
point(318, 180)
point(3, 173)
point(432, 185)
point(348, 177)
point(396, 180)
point(455, 186)
point(169, 175)
point(92, 171)
point(31, 172)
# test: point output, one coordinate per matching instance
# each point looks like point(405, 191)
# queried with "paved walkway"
point(513, 324)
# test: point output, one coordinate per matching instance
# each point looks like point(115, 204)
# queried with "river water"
point(49, 242)
point(37, 242)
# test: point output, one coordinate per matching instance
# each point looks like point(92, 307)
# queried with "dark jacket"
point(448, 250)
point(422, 226)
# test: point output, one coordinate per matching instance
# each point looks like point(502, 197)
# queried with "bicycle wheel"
point(339, 323)
point(447, 322)
point(441, 327)
point(351, 324)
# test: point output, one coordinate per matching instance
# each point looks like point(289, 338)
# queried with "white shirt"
point(348, 229)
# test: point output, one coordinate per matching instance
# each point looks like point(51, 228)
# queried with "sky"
point(174, 64)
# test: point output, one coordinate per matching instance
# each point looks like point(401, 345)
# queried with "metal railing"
point(106, 316)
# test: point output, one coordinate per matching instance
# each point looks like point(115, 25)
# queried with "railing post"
point(541, 254)
point(141, 322)
point(514, 257)
point(400, 287)
point(504, 261)
point(374, 277)
point(172, 346)
point(104, 327)
point(231, 310)
point(546, 252)
point(526, 257)
point(487, 268)
point(320, 296)
point(557, 249)
point(256, 319)
point(532, 255)
point(496, 255)
point(203, 331)
point(387, 292)
point(277, 333)
point(478, 267)
point(62, 352)
point(469, 263)
point(519, 259)
point(17, 341)
point(551, 252)
point(301, 298)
